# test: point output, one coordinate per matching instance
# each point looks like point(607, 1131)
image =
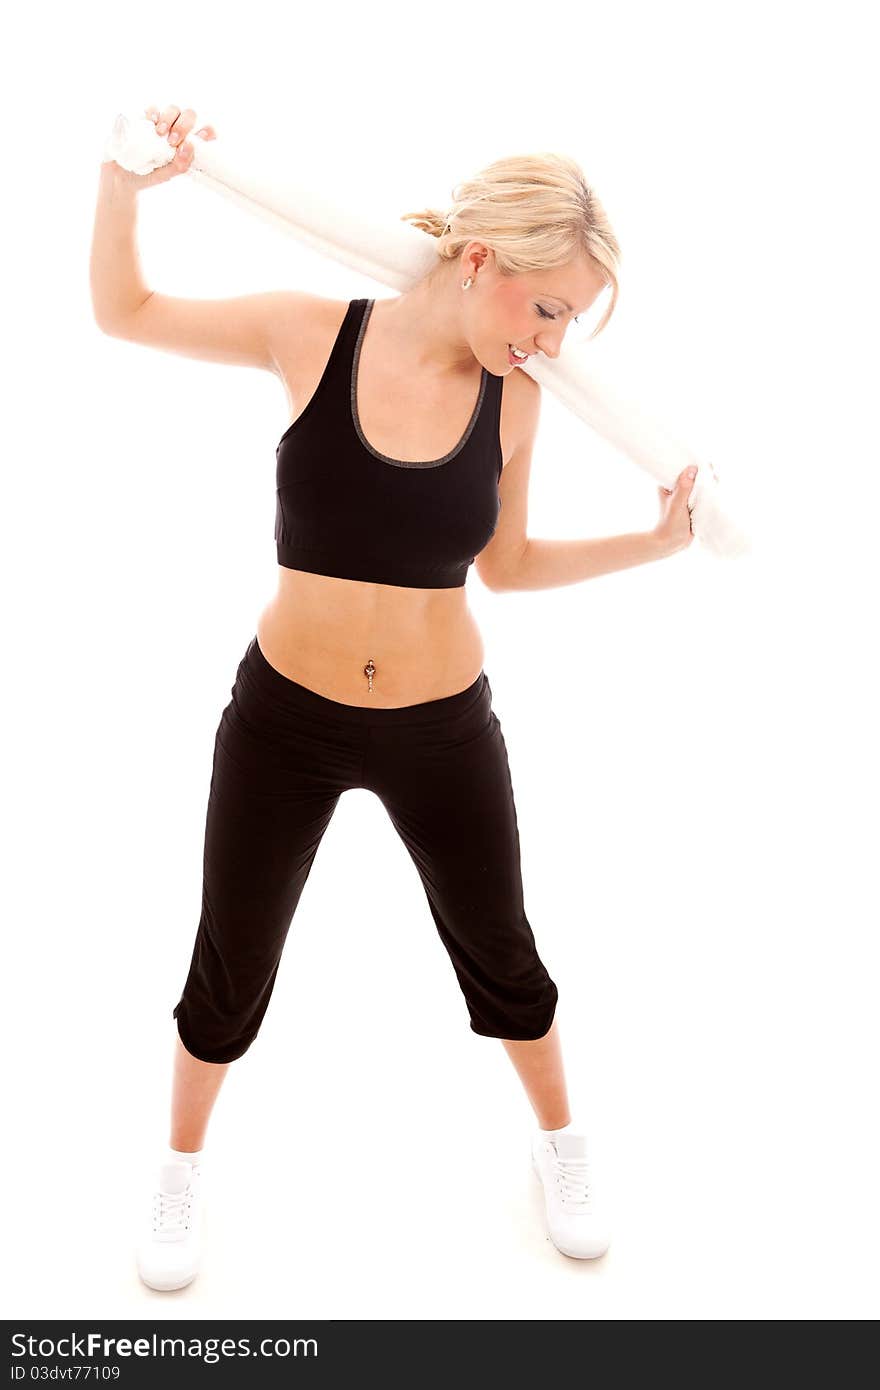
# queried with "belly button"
point(369, 672)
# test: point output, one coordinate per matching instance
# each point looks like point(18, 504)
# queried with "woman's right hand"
point(175, 125)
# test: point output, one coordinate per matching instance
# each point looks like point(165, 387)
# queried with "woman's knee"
point(214, 1037)
point(522, 1011)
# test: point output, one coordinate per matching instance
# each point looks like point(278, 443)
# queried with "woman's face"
point(530, 311)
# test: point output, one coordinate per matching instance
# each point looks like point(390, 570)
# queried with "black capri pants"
point(283, 755)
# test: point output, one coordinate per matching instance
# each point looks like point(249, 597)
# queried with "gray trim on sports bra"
point(399, 463)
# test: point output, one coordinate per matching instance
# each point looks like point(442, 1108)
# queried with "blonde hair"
point(536, 211)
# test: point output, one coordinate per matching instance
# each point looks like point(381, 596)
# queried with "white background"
point(692, 742)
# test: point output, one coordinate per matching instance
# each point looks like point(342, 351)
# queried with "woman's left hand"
point(674, 530)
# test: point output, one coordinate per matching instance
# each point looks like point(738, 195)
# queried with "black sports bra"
point(344, 509)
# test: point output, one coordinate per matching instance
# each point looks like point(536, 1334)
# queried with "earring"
point(466, 284)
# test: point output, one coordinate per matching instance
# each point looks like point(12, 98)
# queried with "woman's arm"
point(514, 560)
point(548, 564)
point(118, 287)
point(247, 330)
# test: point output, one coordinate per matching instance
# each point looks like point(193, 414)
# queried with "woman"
point(410, 427)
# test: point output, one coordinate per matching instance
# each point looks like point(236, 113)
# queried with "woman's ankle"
point(187, 1148)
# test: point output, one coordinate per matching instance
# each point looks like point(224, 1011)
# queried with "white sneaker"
point(169, 1250)
point(564, 1169)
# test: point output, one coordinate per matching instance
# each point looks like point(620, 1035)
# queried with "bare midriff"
point(322, 632)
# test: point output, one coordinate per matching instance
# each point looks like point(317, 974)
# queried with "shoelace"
point(170, 1212)
point(573, 1179)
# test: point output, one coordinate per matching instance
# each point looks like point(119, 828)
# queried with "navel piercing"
point(369, 672)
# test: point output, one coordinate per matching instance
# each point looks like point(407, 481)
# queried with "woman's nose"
point(550, 343)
